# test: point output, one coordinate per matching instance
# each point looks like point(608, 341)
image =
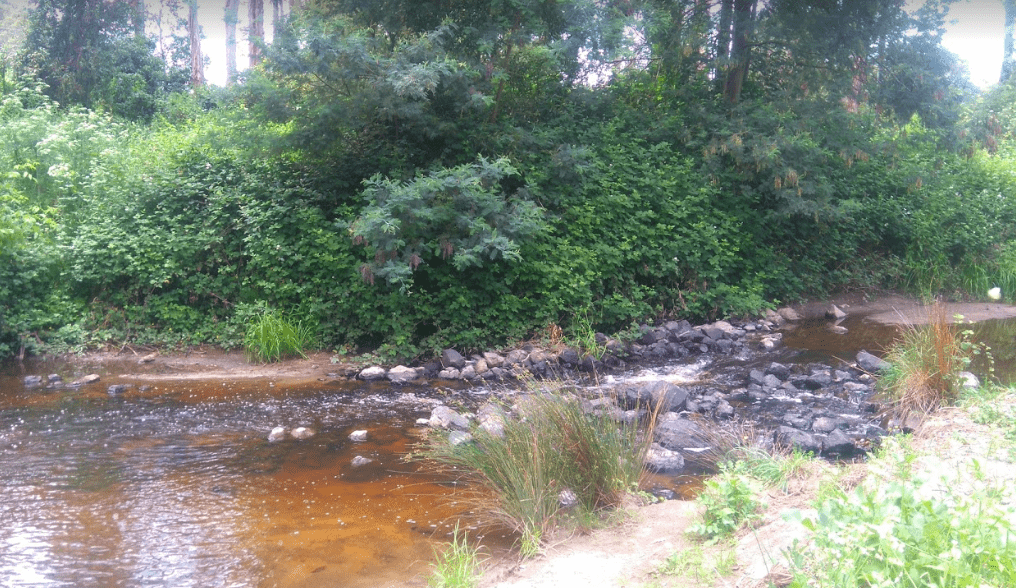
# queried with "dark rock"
point(870, 363)
point(32, 381)
point(590, 364)
point(569, 356)
point(54, 378)
point(796, 438)
point(676, 433)
point(116, 389)
point(452, 358)
point(838, 443)
point(779, 370)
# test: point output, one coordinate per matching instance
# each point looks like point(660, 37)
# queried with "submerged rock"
point(277, 434)
point(302, 433)
point(358, 436)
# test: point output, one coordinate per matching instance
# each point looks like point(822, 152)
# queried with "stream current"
point(176, 485)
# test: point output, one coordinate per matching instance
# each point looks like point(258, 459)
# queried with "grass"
point(457, 566)
point(925, 366)
point(272, 337)
point(695, 563)
point(552, 446)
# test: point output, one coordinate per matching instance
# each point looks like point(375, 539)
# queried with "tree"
point(1009, 47)
point(194, 32)
point(231, 18)
point(88, 53)
point(256, 35)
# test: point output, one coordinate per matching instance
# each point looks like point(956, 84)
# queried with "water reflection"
point(179, 487)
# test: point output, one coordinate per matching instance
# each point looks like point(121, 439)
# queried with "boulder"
point(838, 443)
point(442, 417)
point(798, 439)
point(870, 363)
point(835, 313)
point(358, 436)
point(373, 373)
point(401, 374)
point(452, 358)
point(677, 433)
point(360, 461)
point(302, 433)
point(493, 359)
point(662, 460)
point(277, 434)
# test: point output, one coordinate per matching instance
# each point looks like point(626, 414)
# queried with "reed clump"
point(925, 366)
point(554, 458)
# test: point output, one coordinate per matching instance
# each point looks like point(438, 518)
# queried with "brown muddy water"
point(176, 485)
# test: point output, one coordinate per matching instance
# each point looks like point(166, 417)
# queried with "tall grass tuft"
point(457, 565)
point(555, 446)
point(272, 337)
point(925, 366)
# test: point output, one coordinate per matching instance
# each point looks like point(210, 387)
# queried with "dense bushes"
point(593, 219)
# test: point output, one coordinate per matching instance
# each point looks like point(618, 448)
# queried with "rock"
point(149, 358)
point(676, 433)
point(569, 356)
point(117, 389)
point(517, 356)
point(360, 460)
point(358, 436)
point(837, 330)
point(835, 313)
point(823, 425)
point(481, 367)
point(449, 374)
point(90, 379)
point(838, 443)
point(662, 394)
point(453, 359)
point(968, 380)
point(456, 438)
point(789, 314)
point(493, 359)
point(32, 381)
point(54, 379)
point(277, 434)
point(373, 373)
point(795, 438)
point(401, 374)
point(491, 419)
point(302, 433)
point(442, 417)
point(567, 498)
point(771, 342)
point(662, 460)
point(724, 410)
point(468, 373)
point(870, 363)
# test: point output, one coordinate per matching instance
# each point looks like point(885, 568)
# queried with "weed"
point(730, 500)
point(457, 566)
point(695, 563)
point(554, 445)
point(925, 366)
point(271, 337)
point(907, 533)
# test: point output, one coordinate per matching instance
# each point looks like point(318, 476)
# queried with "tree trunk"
point(137, 8)
point(1008, 48)
point(276, 17)
point(231, 18)
point(737, 71)
point(197, 59)
point(723, 31)
point(256, 35)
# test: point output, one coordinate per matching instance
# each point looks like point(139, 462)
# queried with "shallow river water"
point(176, 485)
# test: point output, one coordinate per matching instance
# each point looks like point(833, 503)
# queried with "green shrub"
point(730, 499)
point(908, 534)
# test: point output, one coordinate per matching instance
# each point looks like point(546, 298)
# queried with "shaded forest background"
point(408, 175)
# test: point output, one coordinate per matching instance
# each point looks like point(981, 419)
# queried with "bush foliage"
point(462, 181)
